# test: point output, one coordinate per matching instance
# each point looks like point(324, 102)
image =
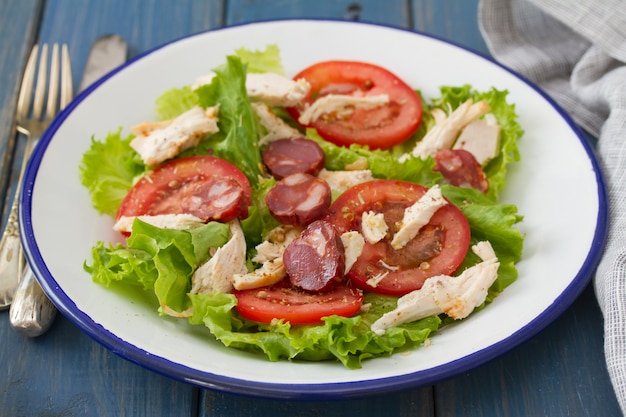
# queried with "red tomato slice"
point(205, 186)
point(381, 127)
point(284, 301)
point(439, 248)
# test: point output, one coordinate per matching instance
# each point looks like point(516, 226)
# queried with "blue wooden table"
point(559, 372)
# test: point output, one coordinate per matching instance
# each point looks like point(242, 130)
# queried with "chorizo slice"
point(288, 156)
point(460, 168)
point(298, 199)
point(219, 198)
point(315, 261)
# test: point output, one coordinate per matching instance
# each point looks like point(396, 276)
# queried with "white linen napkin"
point(576, 52)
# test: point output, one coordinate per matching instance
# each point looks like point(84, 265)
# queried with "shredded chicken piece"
point(269, 273)
point(276, 90)
point(455, 296)
point(164, 221)
point(481, 138)
point(341, 105)
point(353, 243)
point(275, 126)
point(340, 181)
point(444, 133)
point(216, 274)
point(373, 226)
point(417, 216)
point(158, 142)
point(270, 255)
point(276, 242)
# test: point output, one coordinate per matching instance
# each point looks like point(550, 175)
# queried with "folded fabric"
point(576, 52)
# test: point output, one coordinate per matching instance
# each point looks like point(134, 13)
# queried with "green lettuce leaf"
point(494, 223)
point(175, 102)
point(238, 139)
point(108, 170)
point(382, 163)
point(161, 260)
point(267, 60)
point(259, 221)
point(346, 339)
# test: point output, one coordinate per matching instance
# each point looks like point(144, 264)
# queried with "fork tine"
point(53, 88)
point(26, 89)
point(67, 87)
point(40, 88)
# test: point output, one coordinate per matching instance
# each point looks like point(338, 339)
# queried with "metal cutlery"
point(31, 312)
point(32, 123)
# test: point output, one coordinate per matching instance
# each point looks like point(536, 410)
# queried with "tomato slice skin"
point(284, 301)
point(165, 189)
point(378, 128)
point(439, 248)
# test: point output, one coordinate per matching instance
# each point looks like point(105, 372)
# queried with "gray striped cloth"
point(576, 51)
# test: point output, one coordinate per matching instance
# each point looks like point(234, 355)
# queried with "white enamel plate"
point(557, 188)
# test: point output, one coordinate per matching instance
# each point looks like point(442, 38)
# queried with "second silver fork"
point(32, 123)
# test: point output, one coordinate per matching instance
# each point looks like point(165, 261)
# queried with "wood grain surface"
point(559, 372)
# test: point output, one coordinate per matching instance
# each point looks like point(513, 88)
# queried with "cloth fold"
point(576, 52)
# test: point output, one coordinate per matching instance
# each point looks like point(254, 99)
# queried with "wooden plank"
point(400, 404)
point(144, 25)
point(559, 372)
point(389, 12)
point(452, 20)
point(17, 33)
point(64, 372)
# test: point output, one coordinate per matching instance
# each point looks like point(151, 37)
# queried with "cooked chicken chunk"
point(481, 138)
point(276, 90)
point(353, 243)
point(418, 215)
point(455, 296)
point(340, 181)
point(157, 142)
point(270, 255)
point(341, 105)
point(230, 259)
point(275, 126)
point(443, 134)
point(165, 221)
point(373, 226)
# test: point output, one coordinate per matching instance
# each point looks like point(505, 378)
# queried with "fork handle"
point(11, 255)
point(31, 312)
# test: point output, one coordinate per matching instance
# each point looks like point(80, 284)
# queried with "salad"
point(335, 215)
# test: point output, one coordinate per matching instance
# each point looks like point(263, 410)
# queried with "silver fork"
point(32, 123)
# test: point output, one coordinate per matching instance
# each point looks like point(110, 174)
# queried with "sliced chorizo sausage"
point(298, 199)
point(315, 261)
point(460, 168)
point(219, 198)
point(288, 156)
